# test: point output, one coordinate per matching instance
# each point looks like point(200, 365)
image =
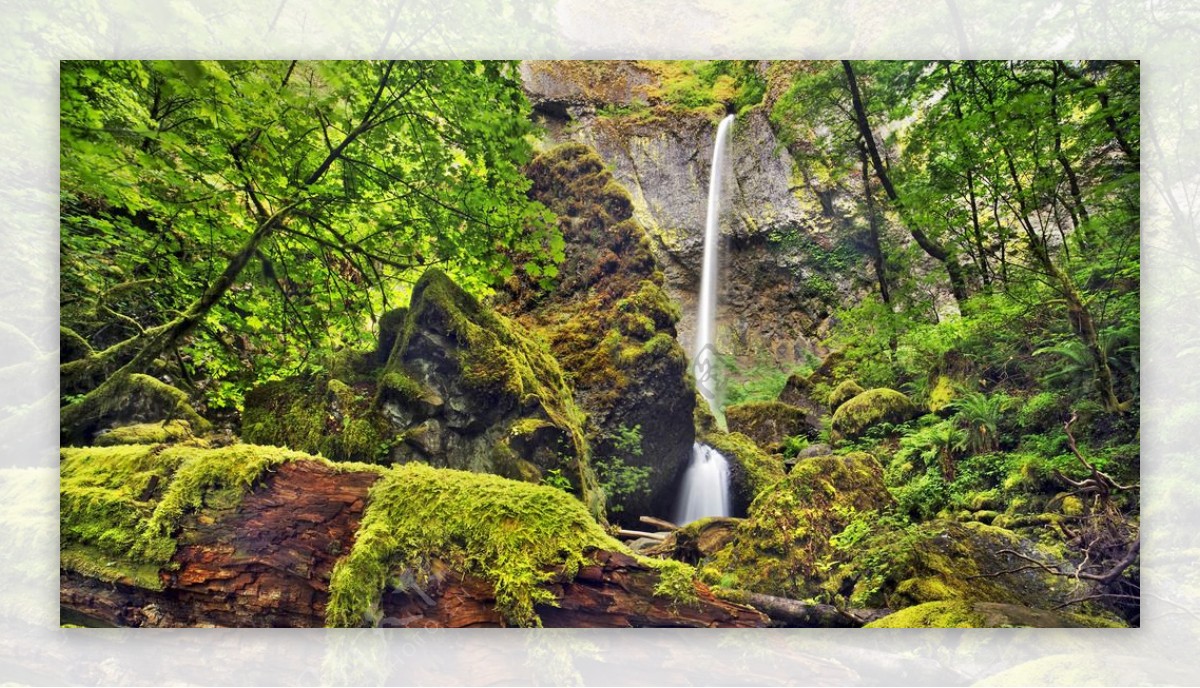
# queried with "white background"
point(35, 34)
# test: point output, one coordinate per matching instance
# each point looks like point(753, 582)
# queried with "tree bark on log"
point(267, 562)
point(797, 613)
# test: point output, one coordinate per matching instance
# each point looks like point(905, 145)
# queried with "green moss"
point(847, 390)
point(975, 614)
point(676, 580)
point(870, 408)
point(784, 545)
point(318, 416)
point(120, 506)
point(769, 423)
point(952, 614)
point(147, 433)
point(942, 394)
point(940, 561)
point(520, 537)
point(499, 357)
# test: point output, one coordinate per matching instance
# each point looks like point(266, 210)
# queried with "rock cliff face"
point(793, 249)
point(612, 329)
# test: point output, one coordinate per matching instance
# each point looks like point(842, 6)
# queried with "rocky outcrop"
point(611, 327)
point(258, 536)
point(461, 387)
point(769, 423)
point(793, 245)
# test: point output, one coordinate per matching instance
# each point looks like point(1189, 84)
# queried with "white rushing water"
point(704, 363)
point(705, 487)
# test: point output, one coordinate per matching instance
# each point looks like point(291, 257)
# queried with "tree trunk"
point(267, 562)
point(957, 283)
point(876, 245)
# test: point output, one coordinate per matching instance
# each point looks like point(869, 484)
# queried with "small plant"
point(555, 478)
point(982, 415)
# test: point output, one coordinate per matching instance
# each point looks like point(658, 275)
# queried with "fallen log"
point(802, 614)
point(658, 522)
point(634, 534)
point(268, 560)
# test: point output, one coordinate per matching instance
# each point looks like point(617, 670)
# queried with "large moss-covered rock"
point(870, 408)
point(974, 614)
point(126, 400)
point(894, 568)
point(611, 327)
point(845, 391)
point(768, 423)
point(468, 388)
point(751, 469)
point(788, 537)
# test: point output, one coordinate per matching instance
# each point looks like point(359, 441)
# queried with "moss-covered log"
point(258, 536)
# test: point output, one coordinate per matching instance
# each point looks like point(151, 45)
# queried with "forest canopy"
point(314, 191)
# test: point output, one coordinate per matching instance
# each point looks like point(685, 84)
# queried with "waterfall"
point(704, 363)
point(705, 487)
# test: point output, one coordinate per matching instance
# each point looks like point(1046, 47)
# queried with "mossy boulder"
point(466, 387)
point(788, 538)
point(610, 325)
point(768, 423)
point(751, 470)
point(809, 393)
point(126, 400)
point(874, 406)
point(894, 568)
point(845, 391)
point(975, 614)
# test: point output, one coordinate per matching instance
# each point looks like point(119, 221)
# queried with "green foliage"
point(335, 182)
point(761, 380)
point(982, 415)
point(555, 478)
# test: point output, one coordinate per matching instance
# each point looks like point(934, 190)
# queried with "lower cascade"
point(705, 487)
